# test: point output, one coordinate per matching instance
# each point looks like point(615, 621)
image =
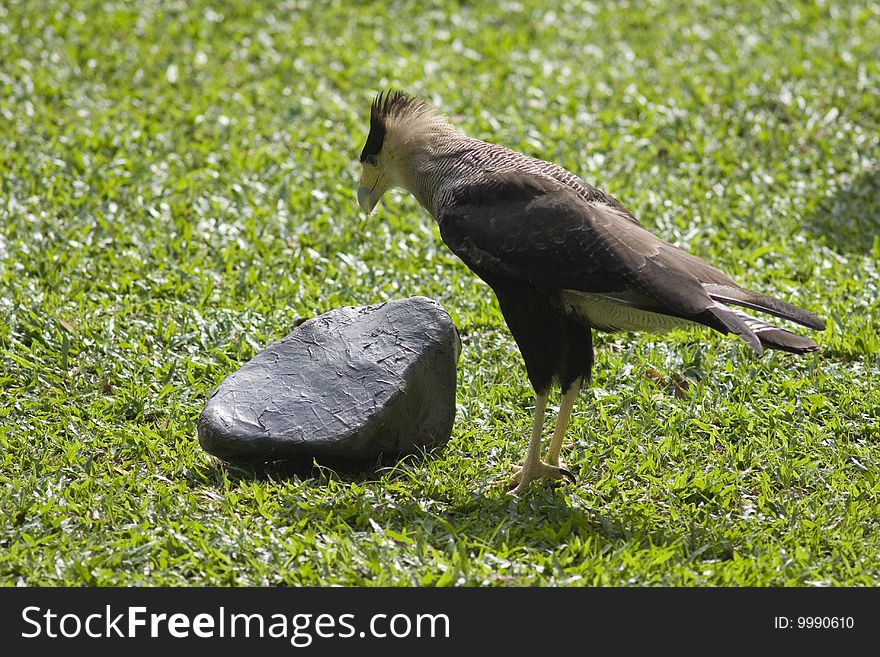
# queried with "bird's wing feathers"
point(757, 301)
point(534, 229)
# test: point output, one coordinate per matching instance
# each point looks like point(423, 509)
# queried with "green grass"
point(177, 189)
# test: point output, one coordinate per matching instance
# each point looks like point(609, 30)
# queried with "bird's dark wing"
point(534, 229)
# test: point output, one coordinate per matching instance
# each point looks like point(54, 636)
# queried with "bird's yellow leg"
point(565, 406)
point(533, 467)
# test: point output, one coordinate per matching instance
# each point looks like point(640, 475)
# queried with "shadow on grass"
point(546, 517)
point(489, 516)
point(849, 221)
point(309, 468)
point(545, 508)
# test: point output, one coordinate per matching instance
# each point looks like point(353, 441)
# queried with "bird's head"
point(401, 126)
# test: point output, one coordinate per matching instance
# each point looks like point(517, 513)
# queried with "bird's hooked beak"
point(365, 199)
point(370, 188)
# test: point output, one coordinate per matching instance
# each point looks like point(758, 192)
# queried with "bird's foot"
point(558, 462)
point(523, 476)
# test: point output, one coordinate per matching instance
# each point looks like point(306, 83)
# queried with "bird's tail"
point(757, 333)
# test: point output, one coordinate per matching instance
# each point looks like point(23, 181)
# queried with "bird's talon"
point(522, 476)
point(568, 475)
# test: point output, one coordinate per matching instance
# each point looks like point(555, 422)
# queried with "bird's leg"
point(565, 406)
point(533, 455)
point(533, 467)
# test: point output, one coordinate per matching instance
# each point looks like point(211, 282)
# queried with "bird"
point(562, 257)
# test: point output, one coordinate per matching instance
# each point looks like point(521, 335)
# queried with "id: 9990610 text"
point(814, 623)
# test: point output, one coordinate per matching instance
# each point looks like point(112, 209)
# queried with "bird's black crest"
point(388, 104)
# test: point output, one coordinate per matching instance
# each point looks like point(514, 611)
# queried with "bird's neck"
point(432, 166)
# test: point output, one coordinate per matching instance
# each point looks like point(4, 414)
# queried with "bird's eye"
point(372, 160)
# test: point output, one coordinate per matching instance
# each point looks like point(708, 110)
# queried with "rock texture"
point(354, 383)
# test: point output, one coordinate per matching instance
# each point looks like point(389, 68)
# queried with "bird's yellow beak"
point(370, 189)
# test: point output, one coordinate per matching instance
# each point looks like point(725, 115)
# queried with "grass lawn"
point(177, 188)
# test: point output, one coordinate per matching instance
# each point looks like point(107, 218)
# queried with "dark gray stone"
point(354, 383)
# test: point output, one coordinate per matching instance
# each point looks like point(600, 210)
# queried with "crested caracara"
point(562, 257)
